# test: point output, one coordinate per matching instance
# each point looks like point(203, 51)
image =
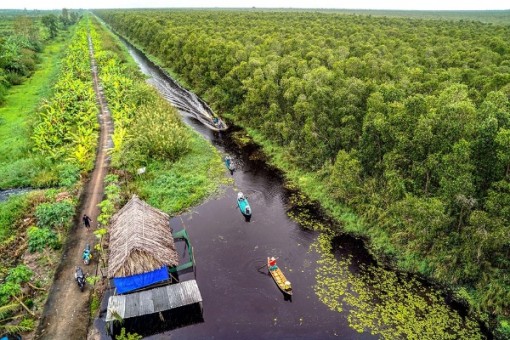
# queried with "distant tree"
point(51, 23)
point(64, 17)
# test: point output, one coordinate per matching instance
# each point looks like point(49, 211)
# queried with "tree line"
point(404, 121)
point(23, 38)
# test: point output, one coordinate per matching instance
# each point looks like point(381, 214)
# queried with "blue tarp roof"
point(130, 283)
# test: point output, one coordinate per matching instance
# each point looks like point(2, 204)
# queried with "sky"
point(342, 4)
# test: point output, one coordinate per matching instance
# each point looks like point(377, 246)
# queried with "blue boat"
point(229, 162)
point(244, 206)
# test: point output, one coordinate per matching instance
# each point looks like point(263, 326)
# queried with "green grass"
point(10, 212)
point(18, 166)
point(173, 187)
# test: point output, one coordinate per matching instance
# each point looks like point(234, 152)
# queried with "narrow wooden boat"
point(229, 162)
point(242, 203)
point(279, 279)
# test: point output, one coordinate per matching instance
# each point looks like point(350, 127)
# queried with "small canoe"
point(242, 203)
point(279, 279)
point(230, 163)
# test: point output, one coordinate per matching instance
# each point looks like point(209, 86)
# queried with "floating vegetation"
point(385, 303)
point(258, 155)
point(241, 138)
point(302, 211)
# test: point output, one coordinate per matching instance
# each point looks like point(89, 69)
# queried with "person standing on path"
point(86, 221)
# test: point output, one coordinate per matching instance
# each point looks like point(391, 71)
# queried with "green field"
point(18, 166)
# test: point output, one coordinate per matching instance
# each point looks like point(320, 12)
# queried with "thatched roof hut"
point(140, 240)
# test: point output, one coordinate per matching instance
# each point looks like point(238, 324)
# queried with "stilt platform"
point(153, 300)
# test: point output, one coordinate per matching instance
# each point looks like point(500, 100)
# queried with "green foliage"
point(54, 215)
point(174, 187)
point(128, 336)
point(159, 133)
point(107, 208)
point(10, 212)
point(404, 121)
point(40, 238)
point(51, 23)
point(66, 127)
point(384, 303)
point(109, 205)
point(27, 324)
point(92, 280)
point(182, 168)
point(7, 290)
point(19, 274)
point(68, 174)
point(95, 303)
point(19, 167)
point(6, 310)
point(503, 330)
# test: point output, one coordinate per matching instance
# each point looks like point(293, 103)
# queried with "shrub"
point(128, 336)
point(7, 290)
point(40, 238)
point(20, 274)
point(68, 174)
point(27, 323)
point(158, 133)
point(15, 78)
point(10, 212)
point(54, 215)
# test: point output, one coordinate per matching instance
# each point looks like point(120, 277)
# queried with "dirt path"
point(66, 313)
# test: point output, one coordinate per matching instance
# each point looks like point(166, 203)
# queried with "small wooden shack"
point(142, 256)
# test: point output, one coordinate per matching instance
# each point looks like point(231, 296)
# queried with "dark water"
point(240, 300)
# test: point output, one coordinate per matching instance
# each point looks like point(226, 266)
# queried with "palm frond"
point(16, 329)
point(5, 310)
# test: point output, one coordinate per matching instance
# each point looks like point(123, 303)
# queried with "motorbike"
point(80, 278)
point(87, 255)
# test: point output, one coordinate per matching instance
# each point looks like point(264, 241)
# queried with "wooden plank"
point(154, 300)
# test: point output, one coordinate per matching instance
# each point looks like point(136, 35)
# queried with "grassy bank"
point(18, 166)
point(180, 174)
point(34, 226)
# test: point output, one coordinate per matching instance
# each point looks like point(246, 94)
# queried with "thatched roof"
point(140, 240)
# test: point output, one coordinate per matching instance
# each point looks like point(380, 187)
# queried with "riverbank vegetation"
point(157, 157)
point(29, 61)
point(153, 155)
point(58, 150)
point(34, 226)
point(399, 127)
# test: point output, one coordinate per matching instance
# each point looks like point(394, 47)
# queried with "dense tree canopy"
point(406, 120)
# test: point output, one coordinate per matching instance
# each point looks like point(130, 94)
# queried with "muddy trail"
point(66, 313)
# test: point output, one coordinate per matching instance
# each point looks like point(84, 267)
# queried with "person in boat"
point(215, 120)
point(272, 264)
point(287, 285)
